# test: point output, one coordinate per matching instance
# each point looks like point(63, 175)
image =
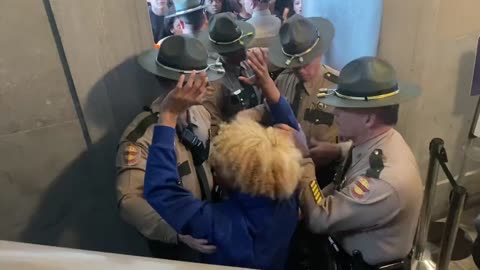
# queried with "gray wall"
point(433, 43)
point(69, 84)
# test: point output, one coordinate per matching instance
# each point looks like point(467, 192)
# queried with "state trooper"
point(178, 55)
point(302, 42)
point(299, 50)
point(227, 40)
point(371, 209)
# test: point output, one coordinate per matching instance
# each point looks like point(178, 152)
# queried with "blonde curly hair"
point(256, 160)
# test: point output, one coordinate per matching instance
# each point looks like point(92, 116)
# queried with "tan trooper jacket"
point(131, 163)
point(377, 216)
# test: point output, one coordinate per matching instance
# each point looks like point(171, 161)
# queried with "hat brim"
point(243, 43)
point(407, 92)
point(326, 32)
point(183, 12)
point(147, 61)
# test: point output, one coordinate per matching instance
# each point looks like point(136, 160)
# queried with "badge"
point(360, 188)
point(131, 155)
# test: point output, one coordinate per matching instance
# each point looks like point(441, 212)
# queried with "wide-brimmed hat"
point(180, 54)
point(226, 34)
point(183, 7)
point(368, 82)
point(301, 40)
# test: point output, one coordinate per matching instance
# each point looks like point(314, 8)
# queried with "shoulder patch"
point(360, 188)
point(132, 155)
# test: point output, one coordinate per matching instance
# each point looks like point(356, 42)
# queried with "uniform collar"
point(364, 149)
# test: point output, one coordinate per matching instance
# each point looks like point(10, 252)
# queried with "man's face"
point(309, 72)
point(249, 5)
point(297, 6)
point(351, 122)
point(160, 6)
point(214, 6)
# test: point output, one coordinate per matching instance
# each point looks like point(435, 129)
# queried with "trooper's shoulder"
point(138, 126)
point(286, 75)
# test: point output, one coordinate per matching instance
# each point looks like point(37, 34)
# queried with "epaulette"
point(331, 77)
point(139, 131)
point(331, 74)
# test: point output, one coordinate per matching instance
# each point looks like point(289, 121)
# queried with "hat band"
point(185, 11)
point(239, 39)
point(217, 66)
point(300, 55)
point(324, 92)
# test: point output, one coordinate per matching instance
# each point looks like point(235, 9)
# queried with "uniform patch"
point(360, 188)
point(131, 155)
point(317, 193)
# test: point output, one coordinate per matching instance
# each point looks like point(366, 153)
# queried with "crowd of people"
point(262, 156)
point(276, 11)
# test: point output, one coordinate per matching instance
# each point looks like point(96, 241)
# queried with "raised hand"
point(187, 94)
point(182, 97)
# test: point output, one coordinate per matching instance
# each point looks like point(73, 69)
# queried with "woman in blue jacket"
point(260, 167)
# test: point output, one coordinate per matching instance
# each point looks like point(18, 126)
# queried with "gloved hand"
point(200, 245)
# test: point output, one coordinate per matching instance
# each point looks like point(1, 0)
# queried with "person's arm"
point(282, 113)
point(363, 204)
point(175, 204)
point(136, 211)
point(185, 213)
point(280, 110)
point(131, 161)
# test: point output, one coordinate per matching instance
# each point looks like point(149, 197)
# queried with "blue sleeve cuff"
point(282, 113)
point(163, 135)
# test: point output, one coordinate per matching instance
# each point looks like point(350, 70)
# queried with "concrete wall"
point(69, 84)
point(433, 43)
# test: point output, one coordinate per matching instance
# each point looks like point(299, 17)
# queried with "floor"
point(467, 224)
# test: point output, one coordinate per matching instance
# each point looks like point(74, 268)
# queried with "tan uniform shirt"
point(375, 216)
point(315, 118)
point(131, 163)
